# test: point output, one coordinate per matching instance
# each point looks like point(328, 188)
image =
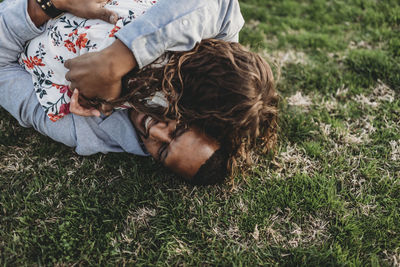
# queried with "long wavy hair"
point(220, 87)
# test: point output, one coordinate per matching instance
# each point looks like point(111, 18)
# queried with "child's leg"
point(19, 99)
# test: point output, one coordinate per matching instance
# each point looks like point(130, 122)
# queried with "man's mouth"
point(145, 124)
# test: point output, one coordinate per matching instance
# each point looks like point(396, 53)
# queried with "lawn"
point(331, 196)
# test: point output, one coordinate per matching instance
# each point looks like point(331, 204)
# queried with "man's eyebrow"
point(179, 130)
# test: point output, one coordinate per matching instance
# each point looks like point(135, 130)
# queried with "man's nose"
point(162, 131)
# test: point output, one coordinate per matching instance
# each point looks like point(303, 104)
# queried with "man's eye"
point(162, 152)
point(180, 129)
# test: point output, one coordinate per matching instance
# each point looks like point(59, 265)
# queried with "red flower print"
point(114, 31)
point(69, 93)
point(28, 64)
point(64, 109)
point(54, 118)
point(64, 89)
point(81, 41)
point(37, 61)
point(70, 46)
point(75, 32)
point(56, 85)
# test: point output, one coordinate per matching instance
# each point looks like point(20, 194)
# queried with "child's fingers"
point(77, 109)
point(106, 109)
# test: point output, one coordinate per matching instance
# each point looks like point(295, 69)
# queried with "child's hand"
point(89, 9)
point(77, 109)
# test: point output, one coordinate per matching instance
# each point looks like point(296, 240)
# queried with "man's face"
point(181, 150)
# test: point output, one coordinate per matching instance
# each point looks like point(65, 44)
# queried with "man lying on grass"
point(194, 134)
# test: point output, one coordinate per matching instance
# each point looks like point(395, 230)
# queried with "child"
point(67, 37)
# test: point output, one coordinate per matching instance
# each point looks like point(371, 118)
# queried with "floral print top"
point(67, 37)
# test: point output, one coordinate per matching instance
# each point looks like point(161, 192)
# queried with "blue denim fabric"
point(177, 25)
point(169, 25)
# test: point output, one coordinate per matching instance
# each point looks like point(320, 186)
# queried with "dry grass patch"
point(295, 160)
point(289, 233)
point(283, 58)
point(299, 100)
point(395, 147)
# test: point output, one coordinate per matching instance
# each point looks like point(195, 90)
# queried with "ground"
point(331, 196)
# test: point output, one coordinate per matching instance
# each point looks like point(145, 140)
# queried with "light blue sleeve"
point(177, 25)
point(89, 135)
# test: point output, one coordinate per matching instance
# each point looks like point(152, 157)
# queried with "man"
point(19, 23)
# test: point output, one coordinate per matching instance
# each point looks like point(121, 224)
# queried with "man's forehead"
point(187, 141)
point(189, 151)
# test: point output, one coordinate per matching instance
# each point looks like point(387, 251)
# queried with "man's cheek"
point(151, 148)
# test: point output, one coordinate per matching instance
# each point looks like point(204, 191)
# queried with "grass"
point(330, 197)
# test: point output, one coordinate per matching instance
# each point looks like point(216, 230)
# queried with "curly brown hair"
point(219, 87)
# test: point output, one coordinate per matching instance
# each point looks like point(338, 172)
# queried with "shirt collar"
point(119, 128)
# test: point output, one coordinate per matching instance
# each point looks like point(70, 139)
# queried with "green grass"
point(331, 196)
